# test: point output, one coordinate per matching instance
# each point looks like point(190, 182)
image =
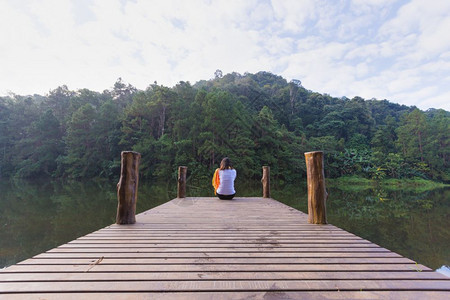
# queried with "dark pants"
point(225, 197)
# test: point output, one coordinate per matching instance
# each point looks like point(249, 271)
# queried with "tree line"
point(255, 119)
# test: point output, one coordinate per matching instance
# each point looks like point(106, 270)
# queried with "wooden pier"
point(205, 248)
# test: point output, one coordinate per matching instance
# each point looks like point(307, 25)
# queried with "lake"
point(36, 216)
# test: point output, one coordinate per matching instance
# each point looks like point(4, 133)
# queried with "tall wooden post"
point(127, 188)
point(266, 181)
point(317, 194)
point(182, 182)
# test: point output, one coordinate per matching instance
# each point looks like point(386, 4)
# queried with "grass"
point(349, 180)
point(355, 183)
point(415, 182)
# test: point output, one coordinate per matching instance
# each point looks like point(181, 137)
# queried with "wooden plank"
point(235, 285)
point(220, 241)
point(244, 244)
point(199, 235)
point(65, 249)
point(138, 228)
point(324, 249)
point(247, 295)
point(254, 254)
point(313, 295)
point(216, 237)
point(222, 227)
point(127, 276)
point(201, 247)
point(142, 228)
point(205, 259)
point(216, 268)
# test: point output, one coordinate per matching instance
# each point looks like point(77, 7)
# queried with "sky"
point(382, 49)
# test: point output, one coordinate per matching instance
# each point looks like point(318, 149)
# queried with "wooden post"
point(182, 182)
point(127, 188)
point(317, 194)
point(266, 181)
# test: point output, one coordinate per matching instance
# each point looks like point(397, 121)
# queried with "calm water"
point(37, 216)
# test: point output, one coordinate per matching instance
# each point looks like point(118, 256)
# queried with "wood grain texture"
point(204, 248)
point(181, 187)
point(127, 187)
point(265, 180)
point(223, 295)
point(317, 194)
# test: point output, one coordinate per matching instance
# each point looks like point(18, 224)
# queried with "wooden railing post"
point(182, 182)
point(317, 194)
point(127, 187)
point(266, 181)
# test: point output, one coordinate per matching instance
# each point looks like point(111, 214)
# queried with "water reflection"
point(413, 224)
point(37, 216)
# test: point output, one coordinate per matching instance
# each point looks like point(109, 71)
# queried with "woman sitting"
point(223, 180)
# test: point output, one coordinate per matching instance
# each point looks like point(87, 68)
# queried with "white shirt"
point(226, 186)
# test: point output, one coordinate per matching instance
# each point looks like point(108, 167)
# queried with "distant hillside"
point(255, 119)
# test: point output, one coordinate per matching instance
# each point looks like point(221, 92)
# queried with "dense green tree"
point(218, 117)
point(82, 160)
point(358, 118)
point(267, 139)
point(412, 135)
point(384, 138)
point(162, 98)
point(122, 93)
point(58, 101)
point(39, 151)
point(187, 109)
point(107, 132)
point(237, 139)
point(6, 137)
point(332, 124)
point(277, 147)
point(438, 144)
point(395, 165)
point(255, 119)
point(17, 116)
point(138, 120)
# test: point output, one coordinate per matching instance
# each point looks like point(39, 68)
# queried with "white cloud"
point(293, 14)
point(371, 48)
point(440, 100)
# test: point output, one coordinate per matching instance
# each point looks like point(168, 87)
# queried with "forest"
point(255, 119)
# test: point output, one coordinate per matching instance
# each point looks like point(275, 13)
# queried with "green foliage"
point(38, 150)
point(412, 135)
point(255, 119)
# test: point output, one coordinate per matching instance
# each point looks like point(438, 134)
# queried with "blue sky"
point(383, 49)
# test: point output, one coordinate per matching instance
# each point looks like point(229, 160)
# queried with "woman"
point(223, 180)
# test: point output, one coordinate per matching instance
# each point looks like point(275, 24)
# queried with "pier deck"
point(205, 248)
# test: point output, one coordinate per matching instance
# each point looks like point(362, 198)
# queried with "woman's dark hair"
point(226, 164)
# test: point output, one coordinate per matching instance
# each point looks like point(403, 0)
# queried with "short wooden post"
point(317, 194)
point(127, 188)
point(266, 181)
point(182, 182)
